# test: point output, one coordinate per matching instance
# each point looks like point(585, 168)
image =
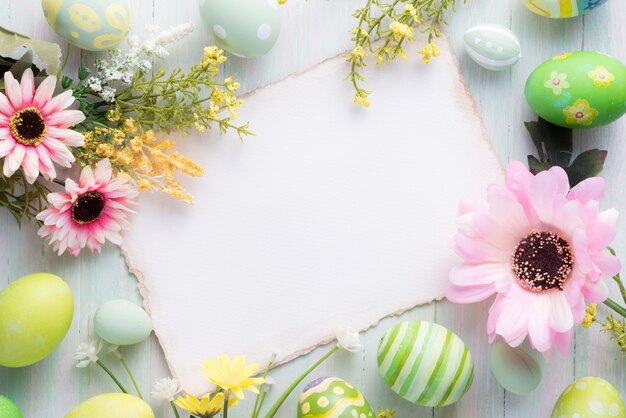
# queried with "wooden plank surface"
point(312, 31)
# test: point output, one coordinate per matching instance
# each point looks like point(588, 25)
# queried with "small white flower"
point(133, 41)
point(87, 353)
point(349, 340)
point(94, 84)
point(165, 389)
point(108, 94)
point(144, 66)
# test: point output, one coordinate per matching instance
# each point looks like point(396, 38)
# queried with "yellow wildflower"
point(401, 30)
point(233, 376)
point(212, 57)
point(358, 51)
point(204, 407)
point(429, 51)
point(123, 175)
point(144, 185)
point(281, 1)
point(411, 11)
point(114, 115)
point(105, 150)
point(361, 98)
point(130, 126)
point(590, 315)
point(136, 144)
point(218, 96)
point(231, 84)
point(386, 413)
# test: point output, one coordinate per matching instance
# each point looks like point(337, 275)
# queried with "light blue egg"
point(92, 25)
point(245, 28)
point(121, 322)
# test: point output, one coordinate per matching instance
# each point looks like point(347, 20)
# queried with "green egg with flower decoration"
point(425, 363)
point(590, 397)
point(333, 397)
point(92, 25)
point(582, 89)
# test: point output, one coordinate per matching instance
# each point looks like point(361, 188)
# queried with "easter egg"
point(121, 322)
point(558, 9)
point(331, 396)
point(245, 34)
point(8, 409)
point(425, 363)
point(589, 397)
point(92, 25)
point(35, 313)
point(493, 47)
point(108, 405)
point(578, 90)
point(514, 368)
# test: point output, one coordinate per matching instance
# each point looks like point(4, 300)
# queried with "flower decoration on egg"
point(601, 76)
point(34, 126)
point(558, 82)
point(89, 212)
point(541, 248)
point(580, 113)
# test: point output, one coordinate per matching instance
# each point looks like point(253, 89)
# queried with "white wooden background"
point(312, 31)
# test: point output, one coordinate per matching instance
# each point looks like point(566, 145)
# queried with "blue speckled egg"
point(92, 25)
point(245, 28)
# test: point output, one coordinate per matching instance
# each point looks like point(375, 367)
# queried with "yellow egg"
point(109, 405)
point(35, 314)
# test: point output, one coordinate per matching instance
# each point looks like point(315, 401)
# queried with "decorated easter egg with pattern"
point(333, 397)
point(590, 397)
point(92, 25)
point(35, 314)
point(109, 405)
point(245, 28)
point(425, 363)
point(8, 409)
point(582, 89)
point(493, 47)
point(559, 9)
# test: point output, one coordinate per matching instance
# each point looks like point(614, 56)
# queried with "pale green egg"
point(8, 409)
point(121, 322)
point(493, 47)
point(35, 314)
point(112, 405)
point(245, 28)
point(514, 368)
point(590, 397)
point(92, 25)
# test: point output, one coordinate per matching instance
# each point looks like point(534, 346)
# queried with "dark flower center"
point(87, 208)
point(542, 261)
point(28, 126)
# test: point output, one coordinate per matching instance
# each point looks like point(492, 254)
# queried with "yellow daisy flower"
point(233, 376)
point(580, 113)
point(204, 407)
point(601, 76)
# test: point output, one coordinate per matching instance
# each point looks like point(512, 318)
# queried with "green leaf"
point(554, 143)
point(66, 82)
point(48, 53)
point(83, 73)
point(588, 164)
point(537, 166)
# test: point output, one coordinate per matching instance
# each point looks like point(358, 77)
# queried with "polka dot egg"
point(559, 9)
point(92, 25)
point(333, 397)
point(425, 363)
point(493, 47)
point(245, 28)
point(589, 397)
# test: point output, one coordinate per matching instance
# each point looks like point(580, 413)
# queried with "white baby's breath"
point(87, 353)
point(349, 340)
point(165, 389)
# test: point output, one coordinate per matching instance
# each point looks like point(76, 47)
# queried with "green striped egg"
point(425, 363)
point(331, 397)
point(493, 47)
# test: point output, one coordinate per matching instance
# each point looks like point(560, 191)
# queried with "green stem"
point(618, 279)
point(260, 398)
point(225, 412)
point(131, 376)
point(615, 306)
point(111, 375)
point(62, 67)
point(274, 409)
point(174, 409)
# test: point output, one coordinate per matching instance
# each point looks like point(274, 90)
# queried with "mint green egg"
point(8, 409)
point(121, 322)
point(514, 368)
point(245, 28)
point(112, 405)
point(92, 25)
point(590, 397)
point(578, 90)
point(35, 314)
point(493, 47)
point(425, 363)
point(333, 397)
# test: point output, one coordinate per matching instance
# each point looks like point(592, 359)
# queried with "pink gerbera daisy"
point(34, 127)
point(541, 248)
point(88, 213)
